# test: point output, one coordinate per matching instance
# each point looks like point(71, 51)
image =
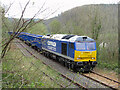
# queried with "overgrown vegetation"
point(38, 28)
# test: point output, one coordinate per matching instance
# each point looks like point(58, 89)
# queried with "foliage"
point(25, 72)
point(55, 26)
point(38, 28)
point(96, 26)
point(7, 26)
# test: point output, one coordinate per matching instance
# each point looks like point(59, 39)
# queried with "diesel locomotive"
point(73, 51)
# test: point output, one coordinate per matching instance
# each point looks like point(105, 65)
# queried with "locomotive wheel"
point(38, 50)
point(77, 69)
point(72, 66)
point(57, 59)
point(50, 56)
point(47, 55)
point(69, 65)
point(65, 64)
point(87, 68)
point(62, 62)
point(44, 53)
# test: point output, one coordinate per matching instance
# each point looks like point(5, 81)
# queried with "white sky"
point(50, 5)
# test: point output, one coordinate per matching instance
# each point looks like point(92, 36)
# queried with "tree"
point(38, 28)
point(55, 26)
point(96, 26)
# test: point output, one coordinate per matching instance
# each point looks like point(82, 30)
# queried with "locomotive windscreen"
point(80, 46)
point(90, 46)
point(85, 46)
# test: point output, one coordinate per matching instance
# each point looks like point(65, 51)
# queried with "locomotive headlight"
point(78, 58)
point(93, 58)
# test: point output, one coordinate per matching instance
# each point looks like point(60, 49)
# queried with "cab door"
point(64, 48)
point(71, 50)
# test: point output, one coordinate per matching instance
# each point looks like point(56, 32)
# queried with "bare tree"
point(21, 25)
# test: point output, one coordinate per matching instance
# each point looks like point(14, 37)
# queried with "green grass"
point(19, 71)
point(107, 65)
point(26, 72)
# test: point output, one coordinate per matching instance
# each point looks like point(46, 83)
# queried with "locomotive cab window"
point(80, 46)
point(90, 46)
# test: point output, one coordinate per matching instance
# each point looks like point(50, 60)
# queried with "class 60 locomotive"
point(78, 53)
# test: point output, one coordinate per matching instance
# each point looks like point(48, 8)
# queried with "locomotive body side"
point(57, 47)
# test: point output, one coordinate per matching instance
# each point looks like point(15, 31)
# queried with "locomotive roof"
point(70, 38)
point(81, 38)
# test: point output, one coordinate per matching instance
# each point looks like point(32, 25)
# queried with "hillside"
point(83, 16)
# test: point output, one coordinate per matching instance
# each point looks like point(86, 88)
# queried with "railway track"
point(112, 83)
point(104, 81)
point(85, 75)
point(62, 75)
point(105, 77)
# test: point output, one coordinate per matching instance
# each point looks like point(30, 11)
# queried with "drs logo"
point(51, 45)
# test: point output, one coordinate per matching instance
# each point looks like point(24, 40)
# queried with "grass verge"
point(20, 71)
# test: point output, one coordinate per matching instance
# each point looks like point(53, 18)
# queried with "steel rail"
point(105, 77)
point(99, 82)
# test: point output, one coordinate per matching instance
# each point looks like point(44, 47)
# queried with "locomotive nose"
point(85, 56)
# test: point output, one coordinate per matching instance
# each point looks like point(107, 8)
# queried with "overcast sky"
point(49, 7)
